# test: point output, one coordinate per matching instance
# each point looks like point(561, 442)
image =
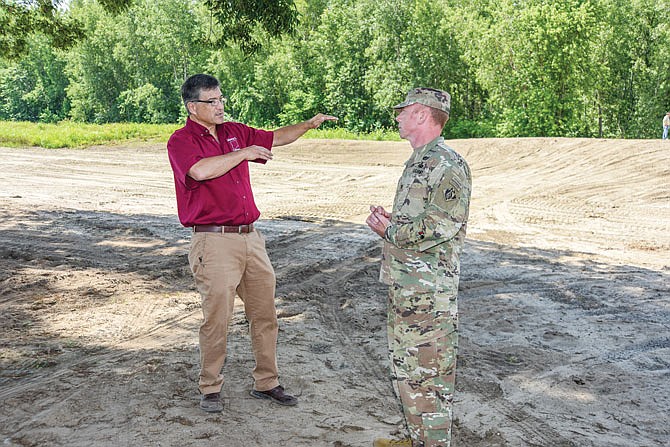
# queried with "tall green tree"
point(632, 55)
point(159, 52)
point(97, 75)
point(131, 66)
point(514, 68)
point(342, 38)
point(237, 20)
point(534, 61)
point(33, 88)
point(433, 51)
point(649, 81)
point(21, 19)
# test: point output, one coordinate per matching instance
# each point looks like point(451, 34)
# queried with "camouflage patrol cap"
point(438, 99)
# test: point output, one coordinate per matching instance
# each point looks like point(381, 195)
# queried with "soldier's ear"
point(422, 115)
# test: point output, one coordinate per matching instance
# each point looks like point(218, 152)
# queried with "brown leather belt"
point(223, 229)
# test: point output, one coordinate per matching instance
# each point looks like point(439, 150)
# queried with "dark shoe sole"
point(259, 395)
point(212, 410)
point(211, 407)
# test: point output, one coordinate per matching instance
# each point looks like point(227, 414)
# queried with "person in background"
point(209, 158)
point(666, 125)
point(423, 238)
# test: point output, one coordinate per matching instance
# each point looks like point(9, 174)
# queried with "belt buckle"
point(239, 229)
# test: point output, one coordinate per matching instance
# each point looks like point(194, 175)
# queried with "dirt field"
point(564, 301)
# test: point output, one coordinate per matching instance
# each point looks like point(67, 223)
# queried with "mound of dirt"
point(564, 299)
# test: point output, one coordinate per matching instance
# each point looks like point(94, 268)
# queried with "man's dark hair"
point(191, 88)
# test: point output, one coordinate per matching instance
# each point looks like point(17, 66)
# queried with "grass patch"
point(68, 134)
point(343, 134)
point(78, 135)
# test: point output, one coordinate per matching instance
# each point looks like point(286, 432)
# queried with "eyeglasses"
point(212, 102)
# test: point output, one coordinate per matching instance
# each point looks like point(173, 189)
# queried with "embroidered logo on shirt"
point(235, 146)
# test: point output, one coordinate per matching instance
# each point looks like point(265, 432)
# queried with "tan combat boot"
point(381, 442)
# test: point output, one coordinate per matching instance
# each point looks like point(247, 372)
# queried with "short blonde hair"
point(439, 116)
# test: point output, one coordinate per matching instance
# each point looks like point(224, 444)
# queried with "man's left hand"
point(318, 119)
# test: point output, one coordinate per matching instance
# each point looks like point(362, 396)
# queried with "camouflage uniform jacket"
point(428, 224)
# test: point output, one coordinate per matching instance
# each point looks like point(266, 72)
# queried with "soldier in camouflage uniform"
point(423, 239)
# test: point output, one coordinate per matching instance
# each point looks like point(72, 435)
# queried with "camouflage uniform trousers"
point(423, 343)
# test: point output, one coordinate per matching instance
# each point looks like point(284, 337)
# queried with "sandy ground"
point(564, 301)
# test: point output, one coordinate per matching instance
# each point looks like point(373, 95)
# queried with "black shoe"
point(211, 403)
point(276, 394)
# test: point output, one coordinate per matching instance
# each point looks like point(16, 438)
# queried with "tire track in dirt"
point(615, 219)
point(530, 428)
point(546, 287)
point(285, 249)
point(329, 282)
point(57, 255)
point(99, 355)
point(506, 360)
point(599, 295)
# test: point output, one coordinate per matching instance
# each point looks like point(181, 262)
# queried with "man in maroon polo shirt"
point(209, 158)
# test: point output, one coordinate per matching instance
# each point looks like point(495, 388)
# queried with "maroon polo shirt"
point(225, 200)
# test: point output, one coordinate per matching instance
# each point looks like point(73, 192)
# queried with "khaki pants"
point(224, 265)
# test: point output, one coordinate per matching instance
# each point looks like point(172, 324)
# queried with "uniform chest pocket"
point(412, 198)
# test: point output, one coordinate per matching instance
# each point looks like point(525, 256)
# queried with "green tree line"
point(576, 68)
